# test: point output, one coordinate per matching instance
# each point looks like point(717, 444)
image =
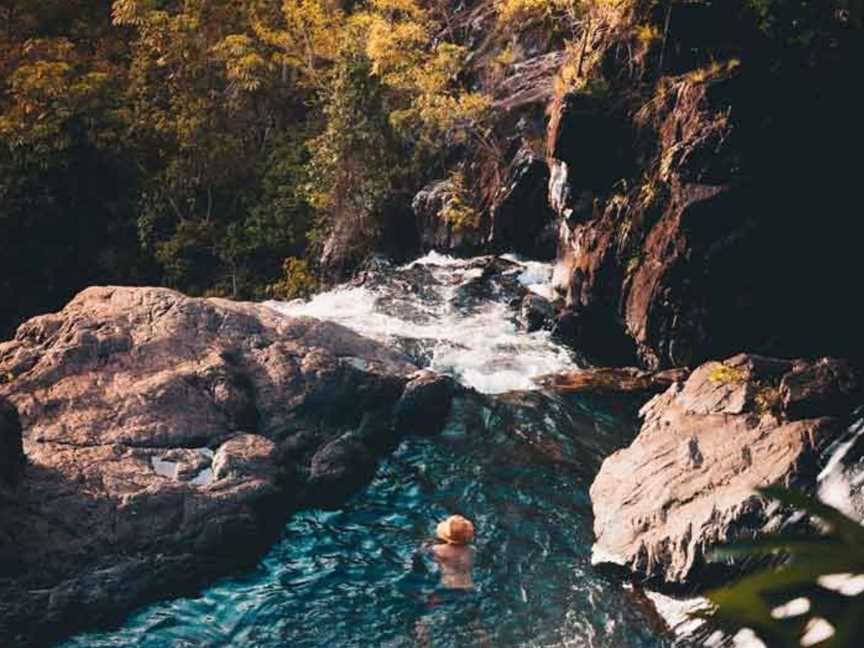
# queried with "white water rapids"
point(427, 305)
point(458, 316)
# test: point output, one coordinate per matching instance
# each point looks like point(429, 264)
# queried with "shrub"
point(458, 211)
point(298, 280)
point(722, 374)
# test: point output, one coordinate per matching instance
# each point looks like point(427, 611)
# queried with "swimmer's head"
point(455, 530)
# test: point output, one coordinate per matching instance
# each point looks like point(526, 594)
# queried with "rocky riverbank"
point(167, 438)
point(687, 482)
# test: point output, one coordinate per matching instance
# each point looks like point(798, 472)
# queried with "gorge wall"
point(701, 180)
point(705, 188)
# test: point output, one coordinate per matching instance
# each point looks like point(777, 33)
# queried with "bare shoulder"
point(452, 552)
point(437, 549)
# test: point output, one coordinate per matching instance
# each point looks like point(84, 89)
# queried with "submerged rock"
point(687, 481)
point(535, 312)
point(168, 438)
point(425, 404)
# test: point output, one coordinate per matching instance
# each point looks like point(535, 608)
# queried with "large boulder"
point(535, 312)
point(688, 480)
point(168, 438)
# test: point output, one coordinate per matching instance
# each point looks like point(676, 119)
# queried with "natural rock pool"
point(519, 464)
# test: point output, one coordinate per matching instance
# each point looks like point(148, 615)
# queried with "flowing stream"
point(521, 471)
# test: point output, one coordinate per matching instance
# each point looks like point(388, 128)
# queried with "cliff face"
point(701, 169)
point(11, 448)
point(699, 172)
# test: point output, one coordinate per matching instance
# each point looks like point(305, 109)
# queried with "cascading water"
point(520, 467)
point(452, 315)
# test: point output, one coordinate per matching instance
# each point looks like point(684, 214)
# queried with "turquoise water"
point(357, 576)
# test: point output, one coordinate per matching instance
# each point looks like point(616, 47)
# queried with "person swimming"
point(454, 554)
point(455, 557)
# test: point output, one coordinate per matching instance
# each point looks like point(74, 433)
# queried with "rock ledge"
point(167, 440)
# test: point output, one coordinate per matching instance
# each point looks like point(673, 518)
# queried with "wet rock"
point(11, 447)
point(434, 230)
point(595, 338)
point(522, 220)
point(687, 481)
point(425, 403)
point(613, 380)
point(535, 312)
point(176, 431)
point(824, 387)
point(339, 469)
point(841, 480)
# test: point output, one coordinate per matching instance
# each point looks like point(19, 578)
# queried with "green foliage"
point(198, 144)
point(555, 14)
point(220, 206)
point(62, 160)
point(458, 211)
point(298, 280)
point(431, 105)
point(768, 399)
point(353, 162)
point(809, 564)
point(633, 263)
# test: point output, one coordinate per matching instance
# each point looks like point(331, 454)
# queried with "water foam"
point(480, 345)
point(839, 484)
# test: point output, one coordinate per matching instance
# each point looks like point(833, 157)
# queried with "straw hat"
point(455, 530)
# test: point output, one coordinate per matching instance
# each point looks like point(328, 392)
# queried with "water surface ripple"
point(357, 576)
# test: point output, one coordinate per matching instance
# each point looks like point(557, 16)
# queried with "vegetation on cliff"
point(201, 144)
point(712, 212)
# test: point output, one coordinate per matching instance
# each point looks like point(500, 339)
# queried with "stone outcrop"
point(519, 217)
point(687, 481)
point(168, 438)
point(536, 312)
point(697, 216)
point(522, 220)
point(434, 231)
